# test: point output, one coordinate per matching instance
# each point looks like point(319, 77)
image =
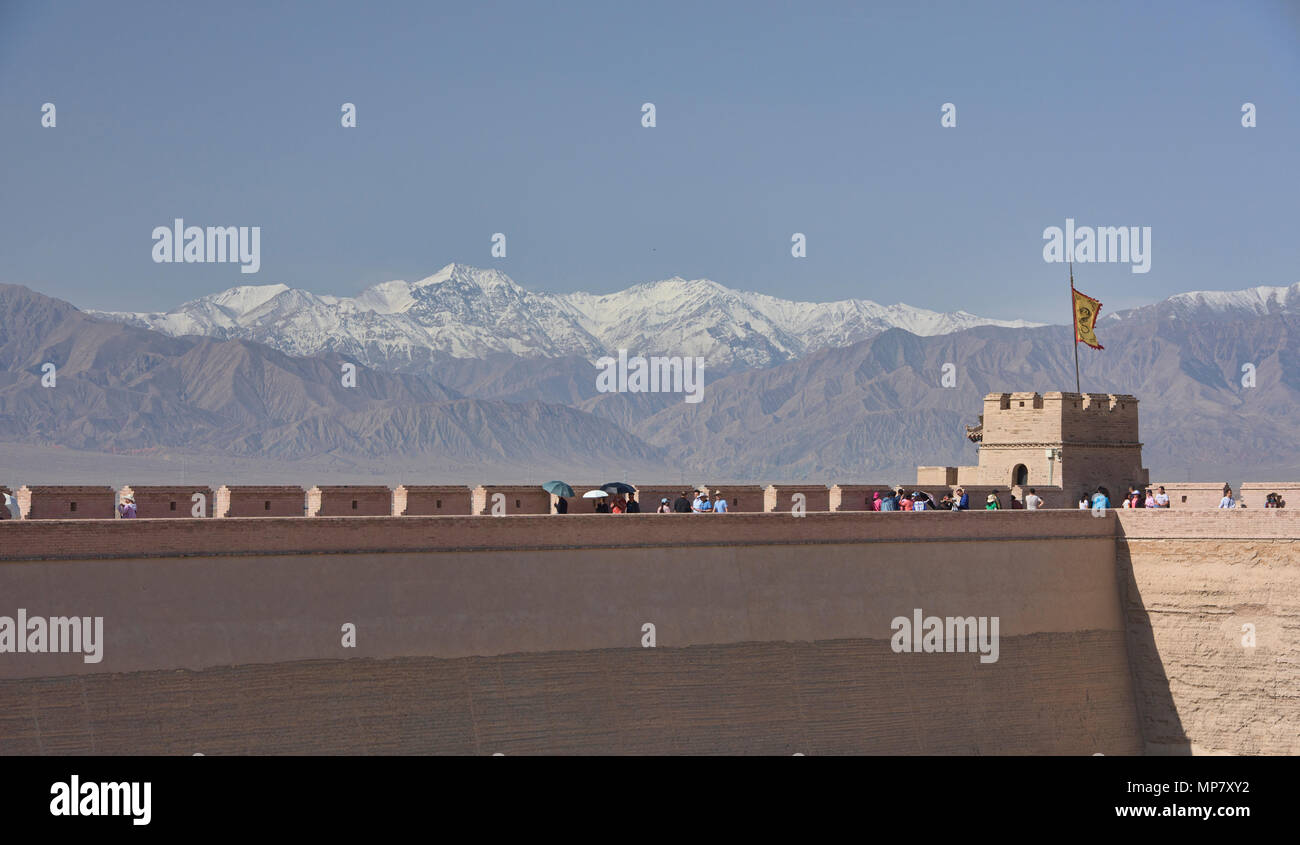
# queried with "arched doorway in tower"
point(1020, 476)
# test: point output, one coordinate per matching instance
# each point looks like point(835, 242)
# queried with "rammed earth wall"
point(774, 627)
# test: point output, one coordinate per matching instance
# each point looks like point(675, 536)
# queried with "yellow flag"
point(1086, 310)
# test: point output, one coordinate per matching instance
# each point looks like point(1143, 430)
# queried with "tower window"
point(173, 506)
point(354, 504)
point(266, 506)
point(1020, 475)
point(439, 503)
point(72, 506)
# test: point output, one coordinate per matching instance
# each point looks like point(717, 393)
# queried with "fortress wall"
point(1255, 492)
point(1190, 581)
point(1192, 494)
point(350, 500)
point(1100, 419)
point(517, 499)
point(168, 501)
point(524, 635)
point(144, 538)
point(1119, 634)
point(779, 498)
point(66, 502)
point(431, 500)
point(1085, 467)
point(816, 698)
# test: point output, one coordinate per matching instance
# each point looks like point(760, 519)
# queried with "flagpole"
point(1074, 327)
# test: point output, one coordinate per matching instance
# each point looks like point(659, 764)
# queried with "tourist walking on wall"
point(682, 504)
point(875, 502)
point(962, 498)
point(1032, 502)
point(633, 506)
point(889, 502)
point(719, 502)
point(992, 503)
point(1162, 498)
point(126, 508)
point(561, 505)
point(664, 507)
point(1101, 499)
point(1227, 501)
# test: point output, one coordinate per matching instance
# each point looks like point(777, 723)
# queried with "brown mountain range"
point(871, 411)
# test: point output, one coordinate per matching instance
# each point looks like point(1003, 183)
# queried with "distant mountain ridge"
point(121, 388)
point(467, 312)
point(870, 411)
point(1220, 304)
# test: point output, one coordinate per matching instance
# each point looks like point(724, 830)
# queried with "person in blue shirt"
point(889, 502)
point(1100, 501)
point(963, 500)
point(720, 503)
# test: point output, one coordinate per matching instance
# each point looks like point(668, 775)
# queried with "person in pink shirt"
point(875, 503)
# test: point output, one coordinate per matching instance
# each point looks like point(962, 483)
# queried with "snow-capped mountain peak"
point(1256, 301)
point(471, 312)
point(245, 298)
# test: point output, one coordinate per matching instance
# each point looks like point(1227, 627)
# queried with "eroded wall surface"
point(1212, 603)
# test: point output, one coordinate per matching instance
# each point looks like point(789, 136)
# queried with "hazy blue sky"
point(525, 118)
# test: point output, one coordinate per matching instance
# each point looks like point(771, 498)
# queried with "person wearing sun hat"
point(664, 507)
point(719, 503)
point(993, 503)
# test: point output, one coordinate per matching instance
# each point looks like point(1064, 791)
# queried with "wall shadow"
point(1158, 720)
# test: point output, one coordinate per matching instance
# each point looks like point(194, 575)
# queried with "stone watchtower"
point(1058, 443)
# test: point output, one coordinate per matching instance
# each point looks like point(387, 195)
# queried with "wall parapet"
point(107, 539)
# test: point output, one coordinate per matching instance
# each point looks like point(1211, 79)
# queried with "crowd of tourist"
point(694, 501)
point(900, 499)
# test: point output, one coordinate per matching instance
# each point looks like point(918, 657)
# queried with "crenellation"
point(349, 500)
point(1056, 441)
point(253, 500)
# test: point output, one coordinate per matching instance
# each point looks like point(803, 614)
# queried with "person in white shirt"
point(1032, 502)
point(1226, 501)
point(1162, 499)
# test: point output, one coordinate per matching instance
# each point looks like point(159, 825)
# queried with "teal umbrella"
point(558, 488)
